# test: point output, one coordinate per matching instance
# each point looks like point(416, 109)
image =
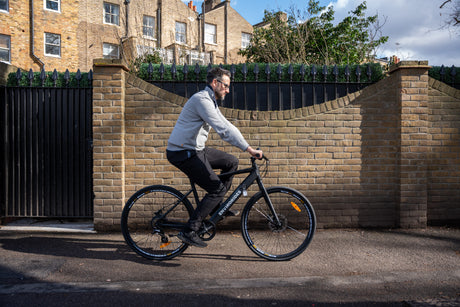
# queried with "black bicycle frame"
point(254, 175)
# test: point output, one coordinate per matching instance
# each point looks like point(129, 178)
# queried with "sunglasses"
point(221, 82)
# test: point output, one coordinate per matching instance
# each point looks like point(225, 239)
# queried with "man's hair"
point(217, 73)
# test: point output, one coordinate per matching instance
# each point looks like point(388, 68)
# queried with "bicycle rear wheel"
point(283, 241)
point(151, 220)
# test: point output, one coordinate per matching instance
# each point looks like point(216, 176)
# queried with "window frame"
point(248, 35)
point(181, 34)
point(51, 44)
point(8, 37)
point(111, 14)
point(58, 10)
point(107, 56)
point(149, 27)
point(7, 10)
point(208, 34)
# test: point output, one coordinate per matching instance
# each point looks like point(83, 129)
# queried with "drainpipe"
point(159, 24)
point(226, 31)
point(203, 13)
point(127, 18)
point(32, 51)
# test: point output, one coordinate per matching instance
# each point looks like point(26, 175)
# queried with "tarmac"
point(69, 264)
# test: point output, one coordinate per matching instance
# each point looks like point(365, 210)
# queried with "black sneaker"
point(191, 238)
point(232, 213)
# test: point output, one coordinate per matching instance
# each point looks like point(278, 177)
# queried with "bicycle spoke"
point(151, 219)
point(289, 235)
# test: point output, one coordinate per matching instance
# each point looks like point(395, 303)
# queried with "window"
point(149, 26)
point(4, 5)
point(5, 48)
point(181, 32)
point(210, 36)
point(52, 44)
point(111, 14)
point(245, 40)
point(110, 51)
point(53, 5)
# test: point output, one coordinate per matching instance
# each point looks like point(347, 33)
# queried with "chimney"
point(190, 5)
point(194, 8)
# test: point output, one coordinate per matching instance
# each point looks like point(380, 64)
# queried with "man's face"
point(221, 87)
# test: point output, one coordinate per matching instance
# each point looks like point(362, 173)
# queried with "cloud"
point(413, 28)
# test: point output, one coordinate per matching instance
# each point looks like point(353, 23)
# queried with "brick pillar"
point(412, 92)
point(109, 138)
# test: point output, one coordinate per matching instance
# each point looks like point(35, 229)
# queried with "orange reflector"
point(295, 206)
point(165, 244)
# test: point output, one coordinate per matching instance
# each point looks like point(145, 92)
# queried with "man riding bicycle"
point(187, 151)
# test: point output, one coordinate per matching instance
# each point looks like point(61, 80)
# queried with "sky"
point(413, 26)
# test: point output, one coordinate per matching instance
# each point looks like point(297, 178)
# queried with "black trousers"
point(198, 166)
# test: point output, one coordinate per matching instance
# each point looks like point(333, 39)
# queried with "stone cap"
point(409, 64)
point(110, 63)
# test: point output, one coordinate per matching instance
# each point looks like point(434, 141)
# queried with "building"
point(70, 34)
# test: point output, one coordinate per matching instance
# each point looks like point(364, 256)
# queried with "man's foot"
point(191, 238)
point(232, 213)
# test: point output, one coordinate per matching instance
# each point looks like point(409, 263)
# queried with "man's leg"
point(224, 161)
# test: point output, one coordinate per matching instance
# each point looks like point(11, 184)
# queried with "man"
point(186, 149)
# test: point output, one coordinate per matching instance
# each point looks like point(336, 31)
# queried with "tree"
point(314, 39)
point(453, 8)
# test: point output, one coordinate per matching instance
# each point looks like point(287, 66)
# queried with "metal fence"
point(46, 147)
point(269, 94)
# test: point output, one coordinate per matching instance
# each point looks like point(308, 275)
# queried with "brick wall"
point(443, 168)
point(387, 156)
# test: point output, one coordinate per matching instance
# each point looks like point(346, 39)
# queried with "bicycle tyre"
point(284, 242)
point(145, 228)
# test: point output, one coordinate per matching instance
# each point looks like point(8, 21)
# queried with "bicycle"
point(277, 223)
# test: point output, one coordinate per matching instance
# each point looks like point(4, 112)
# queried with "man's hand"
point(256, 153)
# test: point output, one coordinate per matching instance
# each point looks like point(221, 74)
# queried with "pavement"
point(69, 264)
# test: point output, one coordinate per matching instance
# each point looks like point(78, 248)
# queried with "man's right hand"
point(256, 153)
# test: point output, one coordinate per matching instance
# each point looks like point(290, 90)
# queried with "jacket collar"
point(211, 94)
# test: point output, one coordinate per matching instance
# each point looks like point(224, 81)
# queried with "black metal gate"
point(46, 157)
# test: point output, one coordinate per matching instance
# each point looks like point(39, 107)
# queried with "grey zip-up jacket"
point(199, 115)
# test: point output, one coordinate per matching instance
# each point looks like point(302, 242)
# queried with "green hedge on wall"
point(377, 72)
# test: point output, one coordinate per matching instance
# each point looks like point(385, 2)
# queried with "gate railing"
point(306, 86)
point(46, 146)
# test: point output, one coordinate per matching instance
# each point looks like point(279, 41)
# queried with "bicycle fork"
point(276, 219)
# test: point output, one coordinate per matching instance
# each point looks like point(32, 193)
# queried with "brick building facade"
point(70, 34)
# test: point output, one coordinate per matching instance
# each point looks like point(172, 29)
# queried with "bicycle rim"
point(146, 228)
point(274, 241)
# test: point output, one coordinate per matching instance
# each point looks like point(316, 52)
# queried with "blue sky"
point(412, 25)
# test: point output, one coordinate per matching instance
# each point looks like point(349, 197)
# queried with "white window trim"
point(154, 28)
point(7, 7)
point(250, 36)
point(117, 48)
point(175, 33)
point(9, 50)
point(44, 46)
point(50, 10)
point(103, 14)
point(215, 34)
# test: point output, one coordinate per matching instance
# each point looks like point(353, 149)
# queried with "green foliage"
point(316, 39)
point(377, 73)
point(49, 82)
point(153, 58)
point(435, 72)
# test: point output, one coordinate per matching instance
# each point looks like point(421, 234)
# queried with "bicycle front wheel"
point(151, 220)
point(284, 233)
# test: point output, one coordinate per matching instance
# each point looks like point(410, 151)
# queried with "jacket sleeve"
point(226, 130)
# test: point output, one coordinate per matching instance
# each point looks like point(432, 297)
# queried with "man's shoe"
point(191, 238)
point(232, 213)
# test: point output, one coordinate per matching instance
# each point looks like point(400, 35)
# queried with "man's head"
point(219, 80)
